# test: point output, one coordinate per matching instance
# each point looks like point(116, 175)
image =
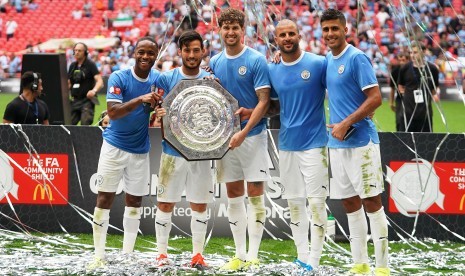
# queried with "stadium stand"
point(53, 19)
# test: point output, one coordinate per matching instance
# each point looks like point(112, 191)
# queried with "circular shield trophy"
point(200, 120)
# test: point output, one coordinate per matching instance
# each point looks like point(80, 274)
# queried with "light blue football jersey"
point(347, 75)
point(242, 75)
point(300, 88)
point(131, 132)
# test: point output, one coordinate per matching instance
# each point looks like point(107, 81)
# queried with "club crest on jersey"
point(115, 90)
point(305, 74)
point(99, 180)
point(242, 70)
point(341, 68)
point(160, 189)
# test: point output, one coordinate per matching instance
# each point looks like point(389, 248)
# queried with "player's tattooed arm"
point(263, 95)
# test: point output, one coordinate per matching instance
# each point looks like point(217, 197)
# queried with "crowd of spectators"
point(378, 28)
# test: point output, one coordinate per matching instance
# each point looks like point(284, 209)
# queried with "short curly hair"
point(231, 15)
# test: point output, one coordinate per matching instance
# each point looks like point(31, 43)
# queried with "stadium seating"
point(53, 19)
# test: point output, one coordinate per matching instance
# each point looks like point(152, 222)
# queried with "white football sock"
point(162, 230)
point(237, 217)
point(318, 228)
point(379, 233)
point(100, 228)
point(358, 229)
point(299, 227)
point(199, 223)
point(131, 222)
point(256, 223)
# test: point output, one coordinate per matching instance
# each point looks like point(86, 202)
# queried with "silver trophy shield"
point(200, 120)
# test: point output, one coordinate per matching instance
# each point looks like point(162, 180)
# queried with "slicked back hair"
point(332, 14)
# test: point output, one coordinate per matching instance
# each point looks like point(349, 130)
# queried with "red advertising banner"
point(44, 181)
point(419, 186)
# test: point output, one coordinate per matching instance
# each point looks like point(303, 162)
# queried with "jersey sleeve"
point(212, 63)
point(163, 84)
point(261, 77)
point(115, 88)
point(363, 72)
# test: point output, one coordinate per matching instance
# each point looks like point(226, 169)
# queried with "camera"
point(78, 76)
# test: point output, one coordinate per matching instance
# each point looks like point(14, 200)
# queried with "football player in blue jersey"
point(176, 173)
point(244, 73)
point(125, 149)
point(357, 176)
point(298, 94)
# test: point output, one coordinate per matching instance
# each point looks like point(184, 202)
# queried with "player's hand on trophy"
point(212, 77)
point(151, 99)
point(160, 111)
point(147, 100)
point(208, 69)
point(237, 139)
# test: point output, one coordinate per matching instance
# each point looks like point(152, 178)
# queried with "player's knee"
point(166, 207)
point(258, 204)
point(235, 190)
point(133, 201)
point(199, 207)
point(317, 202)
point(105, 200)
point(255, 189)
point(372, 204)
point(297, 208)
point(352, 204)
point(132, 212)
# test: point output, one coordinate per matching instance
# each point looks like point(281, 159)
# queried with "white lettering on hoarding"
point(41, 169)
point(271, 213)
point(458, 178)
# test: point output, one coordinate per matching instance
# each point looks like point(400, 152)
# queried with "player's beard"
point(188, 65)
point(294, 49)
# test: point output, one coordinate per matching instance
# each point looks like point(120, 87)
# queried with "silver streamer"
point(64, 254)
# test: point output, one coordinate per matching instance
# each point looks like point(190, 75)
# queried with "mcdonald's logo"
point(462, 202)
point(43, 191)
